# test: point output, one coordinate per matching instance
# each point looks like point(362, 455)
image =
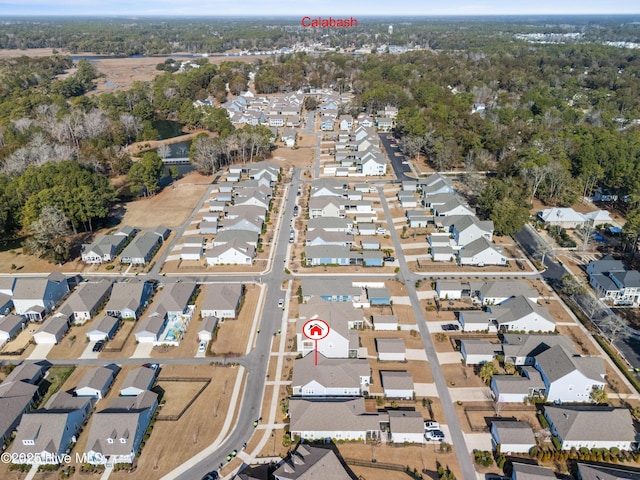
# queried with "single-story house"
point(477, 352)
point(341, 419)
point(85, 301)
point(527, 471)
point(406, 427)
point(391, 349)
point(208, 227)
point(562, 217)
point(522, 349)
point(371, 244)
point(450, 290)
point(443, 254)
point(96, 382)
point(494, 293)
point(128, 299)
point(207, 328)
point(331, 377)
point(418, 218)
point(193, 253)
point(367, 228)
point(137, 381)
point(512, 437)
point(104, 328)
point(481, 252)
point(232, 253)
point(606, 472)
point(385, 322)
point(307, 461)
point(518, 388)
point(476, 321)
point(103, 249)
point(10, 326)
point(397, 383)
point(141, 249)
point(379, 296)
point(52, 330)
point(221, 300)
point(327, 255)
point(592, 427)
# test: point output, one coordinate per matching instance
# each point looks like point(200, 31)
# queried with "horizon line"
point(271, 16)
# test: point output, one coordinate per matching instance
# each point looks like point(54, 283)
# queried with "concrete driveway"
point(143, 350)
point(470, 394)
point(88, 352)
point(40, 352)
point(449, 357)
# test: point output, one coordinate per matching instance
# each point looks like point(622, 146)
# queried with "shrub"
point(483, 458)
point(109, 267)
point(556, 443)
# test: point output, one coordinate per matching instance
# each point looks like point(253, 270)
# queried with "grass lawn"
point(54, 380)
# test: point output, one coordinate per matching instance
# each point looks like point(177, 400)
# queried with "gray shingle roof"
point(309, 463)
point(405, 422)
point(220, 296)
point(513, 432)
point(396, 379)
point(98, 378)
point(592, 423)
point(556, 363)
point(525, 471)
point(331, 415)
point(125, 295)
point(330, 372)
point(390, 345)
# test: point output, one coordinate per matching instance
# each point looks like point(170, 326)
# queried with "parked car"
point(431, 425)
point(281, 303)
point(295, 210)
point(211, 476)
point(389, 259)
point(98, 346)
point(434, 435)
point(202, 347)
point(381, 231)
point(450, 327)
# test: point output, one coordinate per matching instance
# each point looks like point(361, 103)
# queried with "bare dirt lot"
point(171, 207)
point(233, 334)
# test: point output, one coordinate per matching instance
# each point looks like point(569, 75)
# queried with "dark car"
point(98, 346)
point(450, 327)
point(389, 259)
point(211, 476)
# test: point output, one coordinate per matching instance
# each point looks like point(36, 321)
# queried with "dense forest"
point(557, 120)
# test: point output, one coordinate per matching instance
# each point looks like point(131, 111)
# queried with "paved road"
point(450, 416)
point(256, 362)
point(399, 168)
point(535, 246)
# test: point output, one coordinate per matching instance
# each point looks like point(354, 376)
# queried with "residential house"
point(512, 437)
point(521, 349)
point(10, 326)
point(481, 252)
point(477, 352)
point(236, 236)
point(162, 232)
point(330, 377)
point(103, 249)
point(327, 255)
point(605, 472)
point(379, 296)
point(521, 314)
point(52, 330)
point(418, 218)
point(172, 303)
point(6, 304)
point(342, 342)
point(518, 388)
point(338, 290)
point(96, 382)
point(141, 249)
point(562, 217)
point(592, 427)
point(305, 463)
point(373, 165)
point(207, 227)
point(569, 378)
point(331, 224)
point(370, 244)
point(465, 229)
point(340, 419)
point(104, 328)
point(391, 350)
point(326, 207)
point(323, 237)
point(451, 290)
point(231, 253)
point(207, 328)
point(191, 253)
point(406, 427)
point(7, 285)
point(221, 300)
point(86, 300)
point(117, 431)
point(367, 229)
point(36, 297)
point(138, 381)
point(528, 471)
point(252, 224)
point(384, 124)
point(44, 435)
point(18, 393)
point(397, 383)
point(613, 283)
point(385, 322)
point(475, 321)
point(128, 299)
point(407, 199)
point(453, 207)
point(346, 122)
point(495, 293)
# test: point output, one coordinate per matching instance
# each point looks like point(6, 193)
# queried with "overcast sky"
point(314, 7)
